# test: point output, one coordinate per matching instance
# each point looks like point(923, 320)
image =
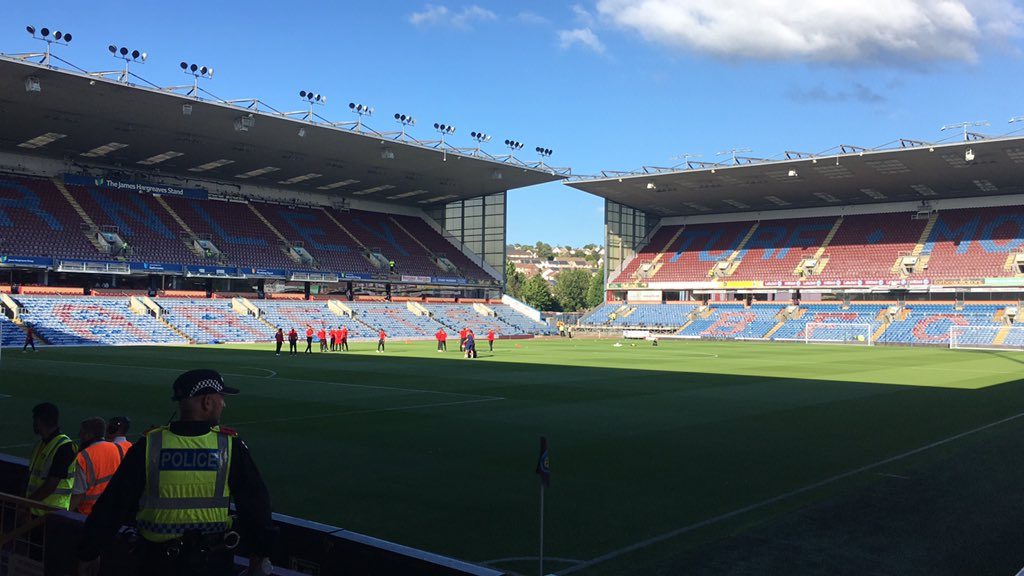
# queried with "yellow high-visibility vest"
point(186, 484)
point(39, 471)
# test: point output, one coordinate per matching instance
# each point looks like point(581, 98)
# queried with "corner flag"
point(543, 469)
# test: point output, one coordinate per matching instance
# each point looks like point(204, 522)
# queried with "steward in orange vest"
point(95, 465)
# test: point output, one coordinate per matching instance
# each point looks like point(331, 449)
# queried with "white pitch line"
point(892, 475)
point(716, 519)
point(371, 411)
point(285, 378)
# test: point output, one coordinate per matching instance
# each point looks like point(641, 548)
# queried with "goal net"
point(1007, 337)
point(837, 333)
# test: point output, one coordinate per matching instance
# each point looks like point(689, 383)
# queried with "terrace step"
point(1004, 331)
point(92, 228)
point(184, 226)
point(731, 259)
point(284, 241)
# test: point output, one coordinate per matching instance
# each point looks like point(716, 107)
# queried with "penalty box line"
point(728, 515)
point(283, 378)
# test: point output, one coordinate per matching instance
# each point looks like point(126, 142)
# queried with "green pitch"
point(691, 457)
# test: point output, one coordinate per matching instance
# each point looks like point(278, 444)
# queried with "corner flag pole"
point(544, 472)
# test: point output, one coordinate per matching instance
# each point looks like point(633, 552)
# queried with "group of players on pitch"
point(336, 339)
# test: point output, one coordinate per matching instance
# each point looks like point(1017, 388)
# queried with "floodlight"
point(112, 48)
point(123, 51)
point(44, 35)
point(193, 68)
point(184, 66)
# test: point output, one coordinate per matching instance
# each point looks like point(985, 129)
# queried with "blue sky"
point(606, 84)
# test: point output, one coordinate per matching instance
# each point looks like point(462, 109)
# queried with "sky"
point(605, 84)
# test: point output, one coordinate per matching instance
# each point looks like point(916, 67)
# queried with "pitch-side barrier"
point(45, 546)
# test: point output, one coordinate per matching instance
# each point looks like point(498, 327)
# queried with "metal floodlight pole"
point(405, 121)
point(684, 158)
point(128, 56)
point(360, 110)
point(963, 126)
point(197, 72)
point(734, 152)
point(444, 130)
point(57, 37)
point(313, 99)
point(480, 138)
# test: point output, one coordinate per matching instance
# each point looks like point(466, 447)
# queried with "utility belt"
point(197, 544)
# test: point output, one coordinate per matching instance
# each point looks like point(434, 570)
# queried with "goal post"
point(837, 333)
point(1007, 337)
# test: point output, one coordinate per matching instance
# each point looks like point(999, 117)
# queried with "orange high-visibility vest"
point(99, 461)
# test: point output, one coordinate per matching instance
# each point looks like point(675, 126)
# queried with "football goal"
point(1006, 337)
point(837, 333)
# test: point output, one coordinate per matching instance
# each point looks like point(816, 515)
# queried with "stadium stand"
point(63, 321)
point(150, 231)
point(914, 324)
point(974, 243)
point(36, 221)
point(775, 248)
point(395, 318)
point(330, 246)
point(238, 233)
point(437, 245)
point(654, 315)
point(930, 324)
point(867, 246)
point(211, 321)
point(10, 334)
point(796, 328)
point(733, 321)
point(519, 323)
point(298, 315)
point(455, 317)
point(698, 248)
point(600, 316)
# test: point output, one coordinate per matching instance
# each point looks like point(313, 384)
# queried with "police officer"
point(176, 483)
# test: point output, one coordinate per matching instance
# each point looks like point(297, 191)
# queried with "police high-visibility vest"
point(99, 461)
point(186, 484)
point(39, 471)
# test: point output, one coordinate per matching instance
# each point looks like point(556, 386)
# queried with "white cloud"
point(583, 16)
point(434, 15)
point(582, 36)
point(843, 31)
point(532, 18)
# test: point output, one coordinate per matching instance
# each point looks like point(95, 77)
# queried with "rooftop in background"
point(80, 117)
point(913, 171)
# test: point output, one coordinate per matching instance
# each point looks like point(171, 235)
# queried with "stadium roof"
point(93, 120)
point(914, 171)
